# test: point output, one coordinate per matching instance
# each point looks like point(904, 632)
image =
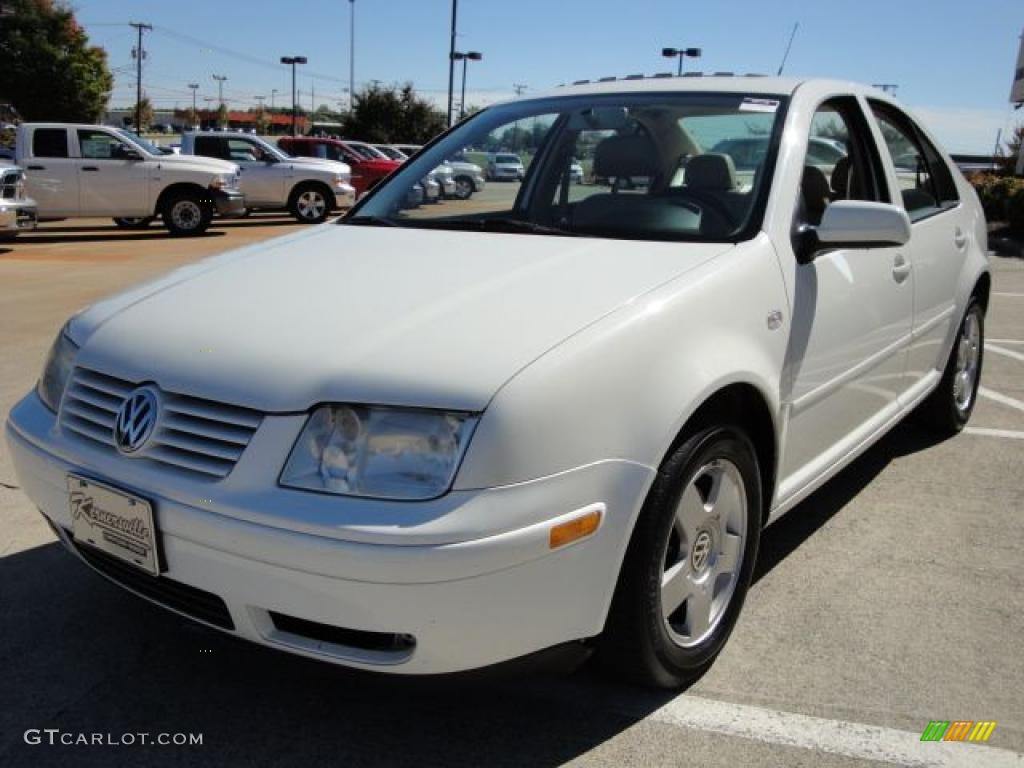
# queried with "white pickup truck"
point(79, 170)
point(272, 180)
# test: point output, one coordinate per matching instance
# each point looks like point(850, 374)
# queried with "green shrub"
point(1002, 197)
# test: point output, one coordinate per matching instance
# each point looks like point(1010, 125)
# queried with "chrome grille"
point(192, 435)
point(10, 189)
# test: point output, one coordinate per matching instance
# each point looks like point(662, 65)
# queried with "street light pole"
point(451, 61)
point(671, 53)
point(293, 60)
point(465, 58)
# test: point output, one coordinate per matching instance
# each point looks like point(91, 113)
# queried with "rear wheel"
point(948, 409)
point(186, 213)
point(689, 563)
point(311, 203)
point(133, 222)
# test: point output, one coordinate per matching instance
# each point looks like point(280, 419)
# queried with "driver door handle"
point(959, 238)
point(89, 168)
point(900, 268)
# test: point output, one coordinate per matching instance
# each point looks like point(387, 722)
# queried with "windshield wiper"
point(370, 221)
point(518, 225)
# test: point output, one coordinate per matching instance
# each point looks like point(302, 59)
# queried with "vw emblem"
point(701, 550)
point(135, 420)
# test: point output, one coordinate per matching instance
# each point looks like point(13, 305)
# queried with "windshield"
point(655, 166)
point(391, 152)
point(140, 142)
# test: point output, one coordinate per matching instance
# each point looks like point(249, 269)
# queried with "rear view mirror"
point(600, 119)
point(855, 224)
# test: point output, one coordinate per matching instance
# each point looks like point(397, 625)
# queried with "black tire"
point(186, 214)
point(133, 222)
point(311, 203)
point(946, 411)
point(464, 188)
point(638, 644)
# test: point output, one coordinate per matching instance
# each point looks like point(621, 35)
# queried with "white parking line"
point(986, 432)
point(866, 742)
point(1011, 295)
point(999, 398)
point(989, 347)
point(1005, 341)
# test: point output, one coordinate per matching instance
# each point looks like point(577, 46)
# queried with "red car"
point(367, 169)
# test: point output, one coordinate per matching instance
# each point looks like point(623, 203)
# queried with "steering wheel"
point(709, 203)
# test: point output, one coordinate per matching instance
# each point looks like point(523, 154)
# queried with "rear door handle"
point(36, 168)
point(900, 268)
point(89, 168)
point(959, 238)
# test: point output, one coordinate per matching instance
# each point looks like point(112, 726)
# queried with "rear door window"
point(211, 146)
point(926, 183)
point(50, 142)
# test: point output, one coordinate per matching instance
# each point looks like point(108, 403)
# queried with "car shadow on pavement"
point(100, 234)
point(80, 655)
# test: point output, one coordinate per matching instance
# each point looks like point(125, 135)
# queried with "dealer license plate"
point(118, 523)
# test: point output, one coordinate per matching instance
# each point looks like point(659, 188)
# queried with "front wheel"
point(186, 213)
point(948, 409)
point(311, 203)
point(689, 562)
point(464, 188)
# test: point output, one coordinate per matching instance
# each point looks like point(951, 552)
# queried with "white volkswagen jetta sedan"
point(430, 440)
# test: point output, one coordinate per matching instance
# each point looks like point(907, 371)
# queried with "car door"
point(110, 182)
point(940, 228)
point(51, 173)
point(851, 309)
point(262, 175)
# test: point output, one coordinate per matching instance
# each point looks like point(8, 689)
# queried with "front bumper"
point(17, 215)
point(229, 202)
point(468, 601)
point(344, 195)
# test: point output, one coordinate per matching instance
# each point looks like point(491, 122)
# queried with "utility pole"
point(139, 55)
point(220, 87)
point(519, 88)
point(451, 62)
point(351, 52)
point(273, 93)
point(195, 115)
point(292, 61)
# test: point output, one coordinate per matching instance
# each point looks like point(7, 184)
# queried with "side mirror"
point(854, 224)
point(129, 153)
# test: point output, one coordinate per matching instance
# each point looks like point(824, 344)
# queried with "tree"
point(1013, 145)
point(222, 116)
point(145, 114)
point(49, 70)
point(191, 117)
point(383, 114)
point(262, 121)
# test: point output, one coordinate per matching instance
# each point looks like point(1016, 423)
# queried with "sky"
point(953, 61)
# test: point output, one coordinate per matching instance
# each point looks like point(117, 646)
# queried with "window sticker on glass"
point(750, 104)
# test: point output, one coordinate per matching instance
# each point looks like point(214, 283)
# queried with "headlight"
point(223, 181)
point(59, 362)
point(390, 453)
point(342, 178)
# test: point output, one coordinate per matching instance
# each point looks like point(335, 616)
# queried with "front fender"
point(622, 388)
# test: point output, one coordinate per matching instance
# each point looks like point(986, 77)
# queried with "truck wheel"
point(311, 203)
point(186, 213)
point(133, 222)
point(463, 188)
point(689, 562)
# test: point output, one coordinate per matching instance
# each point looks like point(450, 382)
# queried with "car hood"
point(317, 164)
point(457, 165)
point(397, 316)
point(381, 166)
point(190, 162)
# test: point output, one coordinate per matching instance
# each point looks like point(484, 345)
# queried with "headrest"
point(841, 177)
point(711, 171)
point(626, 156)
point(814, 184)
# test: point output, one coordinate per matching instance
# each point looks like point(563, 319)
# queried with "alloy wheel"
point(968, 355)
point(311, 205)
point(703, 553)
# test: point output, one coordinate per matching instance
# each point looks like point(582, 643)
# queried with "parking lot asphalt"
point(892, 597)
